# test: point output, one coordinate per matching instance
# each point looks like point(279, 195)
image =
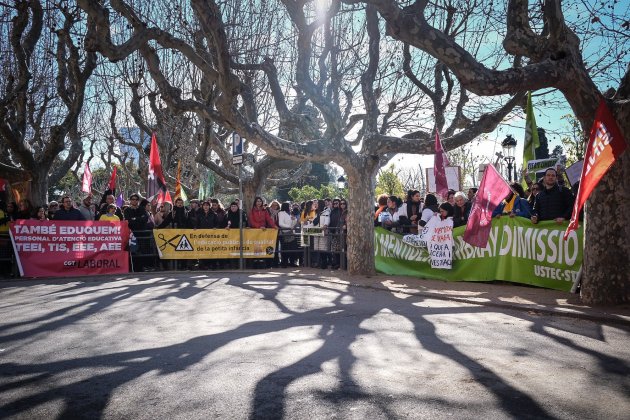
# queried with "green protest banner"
point(517, 251)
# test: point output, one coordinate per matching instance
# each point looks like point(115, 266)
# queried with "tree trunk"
point(39, 187)
point(251, 188)
point(361, 181)
point(606, 268)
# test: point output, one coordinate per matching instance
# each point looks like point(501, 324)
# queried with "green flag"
point(184, 196)
point(531, 135)
point(210, 184)
point(201, 195)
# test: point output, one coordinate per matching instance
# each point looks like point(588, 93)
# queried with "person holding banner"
point(462, 209)
point(429, 210)
point(86, 208)
point(410, 211)
point(259, 218)
point(11, 211)
point(287, 223)
point(137, 218)
point(109, 199)
point(110, 216)
point(180, 216)
point(53, 206)
point(514, 204)
point(234, 215)
point(553, 202)
point(25, 209)
point(68, 211)
point(446, 210)
point(206, 219)
point(390, 217)
point(40, 214)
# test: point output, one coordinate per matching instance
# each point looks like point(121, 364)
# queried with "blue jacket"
point(521, 208)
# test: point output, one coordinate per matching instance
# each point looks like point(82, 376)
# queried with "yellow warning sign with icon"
point(179, 244)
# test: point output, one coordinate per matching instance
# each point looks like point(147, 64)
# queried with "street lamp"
point(509, 146)
point(341, 182)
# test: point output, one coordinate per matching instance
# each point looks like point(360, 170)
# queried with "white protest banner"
point(441, 242)
point(453, 175)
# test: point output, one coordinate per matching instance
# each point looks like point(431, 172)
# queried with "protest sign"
point(67, 248)
point(574, 171)
point(535, 166)
point(517, 251)
point(453, 176)
point(193, 244)
point(441, 242)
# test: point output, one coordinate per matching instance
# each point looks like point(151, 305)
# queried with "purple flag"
point(119, 200)
point(440, 162)
point(492, 191)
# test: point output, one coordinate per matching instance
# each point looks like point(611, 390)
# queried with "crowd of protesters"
point(546, 199)
point(142, 217)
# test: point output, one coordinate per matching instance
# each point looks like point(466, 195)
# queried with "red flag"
point(156, 181)
point(492, 191)
point(440, 162)
point(3, 185)
point(178, 184)
point(112, 181)
point(163, 197)
point(605, 145)
point(87, 179)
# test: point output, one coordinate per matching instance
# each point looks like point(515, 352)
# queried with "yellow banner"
point(193, 244)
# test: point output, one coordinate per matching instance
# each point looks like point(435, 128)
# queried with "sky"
point(546, 117)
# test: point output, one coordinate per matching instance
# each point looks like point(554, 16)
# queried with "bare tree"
point(468, 161)
point(412, 178)
point(553, 50)
point(44, 78)
point(333, 60)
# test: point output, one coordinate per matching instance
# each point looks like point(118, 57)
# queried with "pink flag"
point(492, 191)
point(87, 180)
point(440, 162)
point(156, 182)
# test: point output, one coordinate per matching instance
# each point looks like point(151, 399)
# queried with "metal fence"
point(322, 249)
point(8, 265)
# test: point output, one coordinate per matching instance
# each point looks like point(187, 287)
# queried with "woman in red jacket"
point(259, 217)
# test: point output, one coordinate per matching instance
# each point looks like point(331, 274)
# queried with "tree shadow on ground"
point(339, 324)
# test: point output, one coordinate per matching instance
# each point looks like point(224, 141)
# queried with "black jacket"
point(137, 218)
point(72, 214)
point(460, 218)
point(206, 220)
point(553, 203)
point(232, 217)
point(193, 218)
point(180, 219)
point(221, 219)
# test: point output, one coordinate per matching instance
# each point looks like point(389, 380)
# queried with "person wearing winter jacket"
point(259, 218)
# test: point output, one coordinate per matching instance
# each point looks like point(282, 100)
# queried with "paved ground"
point(306, 344)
